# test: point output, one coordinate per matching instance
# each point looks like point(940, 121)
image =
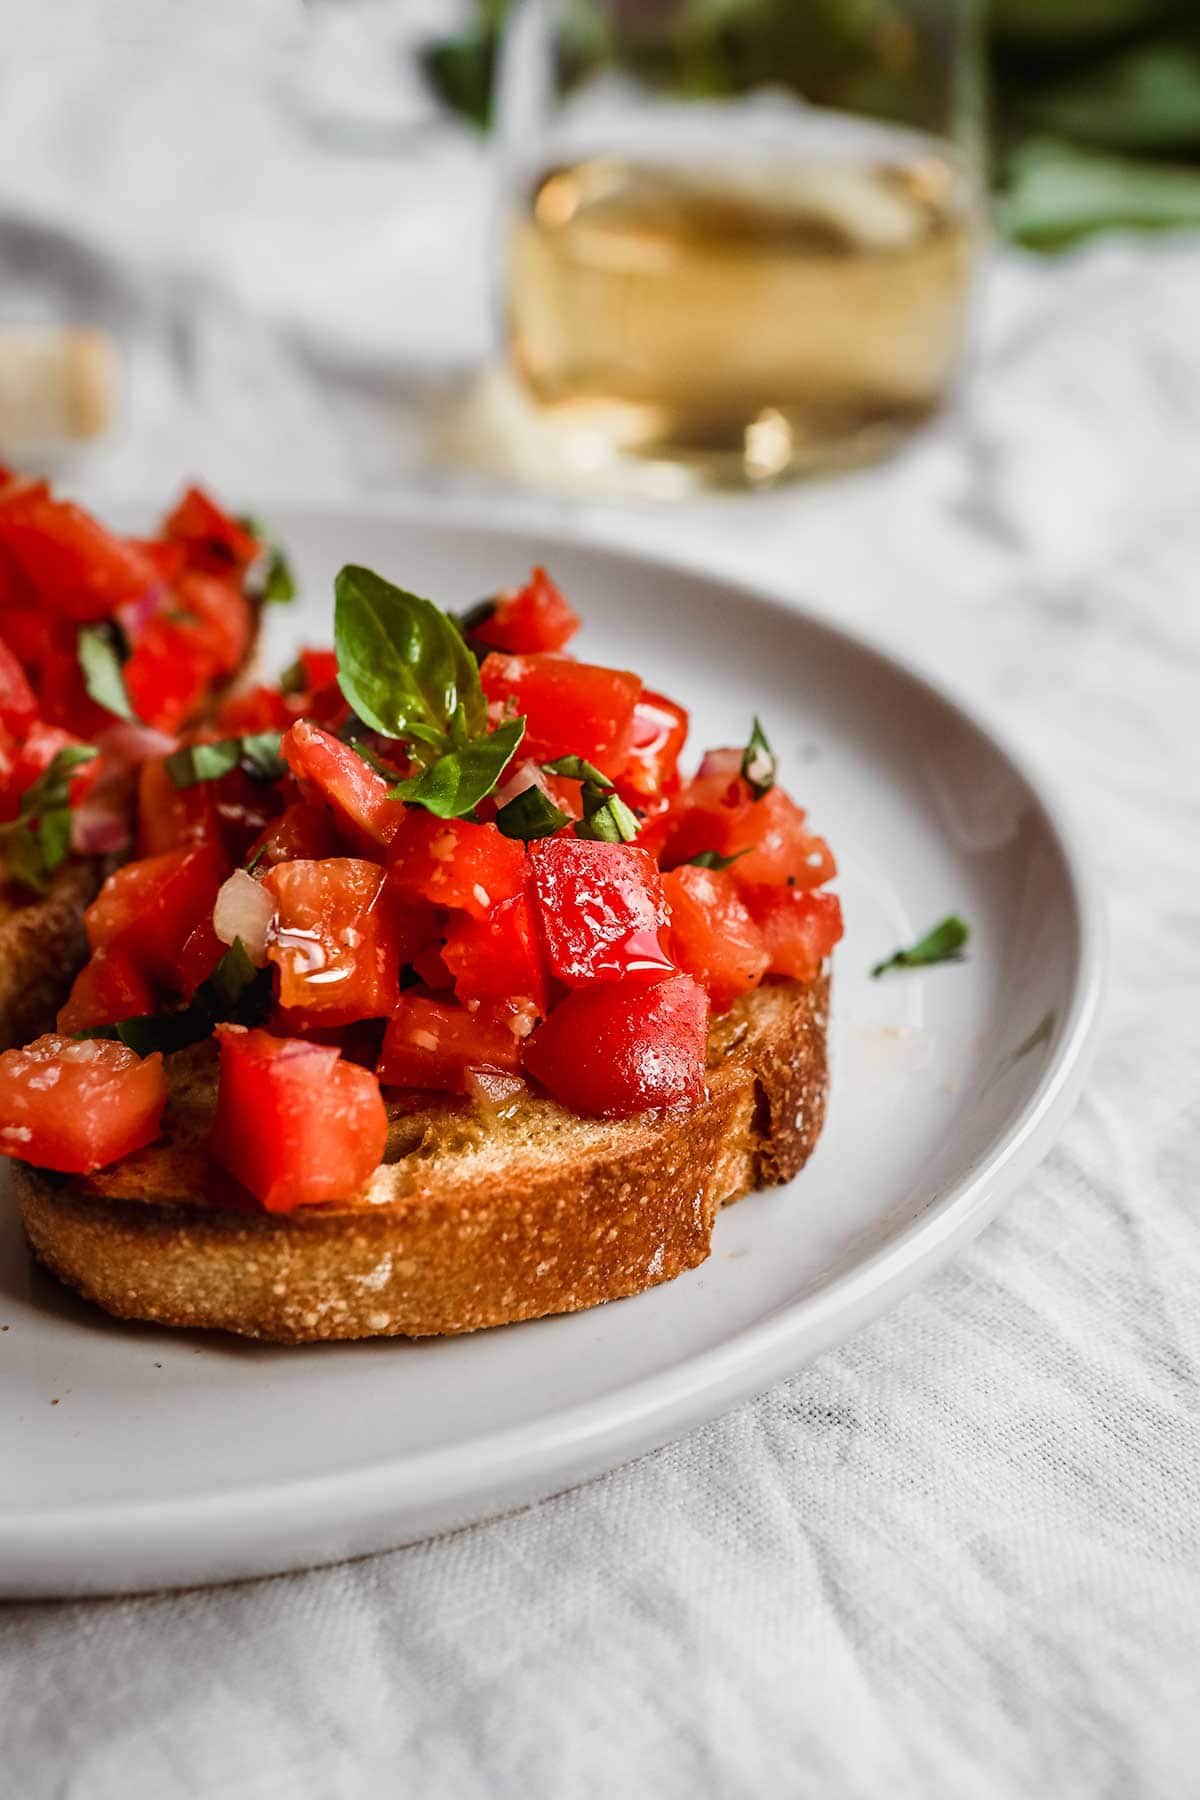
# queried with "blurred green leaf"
point(1057, 194)
point(1145, 98)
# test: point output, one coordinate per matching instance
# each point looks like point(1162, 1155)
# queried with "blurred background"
point(569, 251)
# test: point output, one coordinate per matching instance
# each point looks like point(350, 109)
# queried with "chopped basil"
point(271, 579)
point(454, 785)
point(402, 663)
point(577, 768)
point(256, 859)
point(98, 649)
point(530, 814)
point(758, 763)
point(606, 818)
point(293, 680)
point(712, 859)
point(943, 944)
point(38, 842)
point(257, 753)
point(236, 992)
point(372, 760)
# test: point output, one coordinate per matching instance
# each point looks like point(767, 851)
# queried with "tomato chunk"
point(601, 911)
point(78, 567)
point(610, 1052)
point(109, 987)
point(332, 940)
point(356, 795)
point(18, 705)
point(294, 1123)
point(498, 957)
point(717, 811)
point(432, 1043)
point(530, 618)
point(452, 862)
point(77, 1107)
point(800, 929)
point(168, 674)
point(215, 617)
point(570, 707)
point(303, 832)
point(42, 744)
point(171, 818)
point(713, 937)
point(212, 539)
point(152, 906)
point(258, 709)
point(659, 730)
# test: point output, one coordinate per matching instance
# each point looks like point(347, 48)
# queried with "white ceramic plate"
point(139, 1458)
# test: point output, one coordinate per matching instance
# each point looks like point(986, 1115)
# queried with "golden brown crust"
point(469, 1222)
point(42, 947)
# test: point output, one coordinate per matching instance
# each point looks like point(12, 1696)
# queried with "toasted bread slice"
point(42, 947)
point(471, 1220)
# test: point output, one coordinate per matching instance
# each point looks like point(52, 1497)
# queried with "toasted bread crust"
point(469, 1222)
point(42, 947)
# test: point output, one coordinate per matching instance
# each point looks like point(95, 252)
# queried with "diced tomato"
point(430, 966)
point(215, 617)
point(202, 951)
point(171, 818)
point(613, 1051)
point(294, 1123)
point(570, 708)
point(600, 910)
point(333, 940)
point(658, 733)
point(18, 706)
point(245, 807)
point(531, 618)
point(64, 698)
point(77, 1107)
point(712, 935)
point(169, 558)
point(452, 862)
point(108, 988)
point(168, 674)
point(303, 832)
point(42, 744)
point(717, 811)
point(320, 669)
point(354, 792)
point(800, 929)
point(258, 709)
point(79, 569)
point(152, 906)
point(498, 957)
point(30, 630)
point(211, 537)
point(432, 1043)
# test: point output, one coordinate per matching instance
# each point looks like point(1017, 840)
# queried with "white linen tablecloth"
point(959, 1555)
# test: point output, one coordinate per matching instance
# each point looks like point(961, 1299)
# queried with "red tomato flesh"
point(79, 569)
point(499, 957)
point(356, 795)
point(712, 936)
point(610, 1052)
point(171, 818)
point(717, 811)
point(303, 832)
point(18, 705)
point(531, 618)
point(108, 988)
point(659, 730)
point(212, 539)
point(168, 674)
point(332, 940)
point(570, 708)
point(78, 1107)
point(600, 910)
point(219, 619)
point(152, 906)
point(452, 862)
point(799, 929)
point(294, 1123)
point(432, 1043)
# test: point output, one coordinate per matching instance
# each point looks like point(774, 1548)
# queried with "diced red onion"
point(524, 775)
point(244, 909)
point(129, 742)
point(493, 1087)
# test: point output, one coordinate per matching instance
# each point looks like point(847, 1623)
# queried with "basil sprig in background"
point(406, 671)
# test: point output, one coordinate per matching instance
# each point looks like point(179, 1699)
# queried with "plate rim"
point(654, 1409)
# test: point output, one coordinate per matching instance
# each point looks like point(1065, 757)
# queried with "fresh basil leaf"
point(402, 663)
point(576, 768)
point(758, 763)
point(34, 845)
point(52, 787)
point(101, 668)
point(530, 814)
point(256, 859)
point(23, 859)
point(257, 753)
point(454, 785)
point(606, 818)
point(943, 944)
point(371, 759)
point(236, 992)
point(279, 583)
point(712, 859)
